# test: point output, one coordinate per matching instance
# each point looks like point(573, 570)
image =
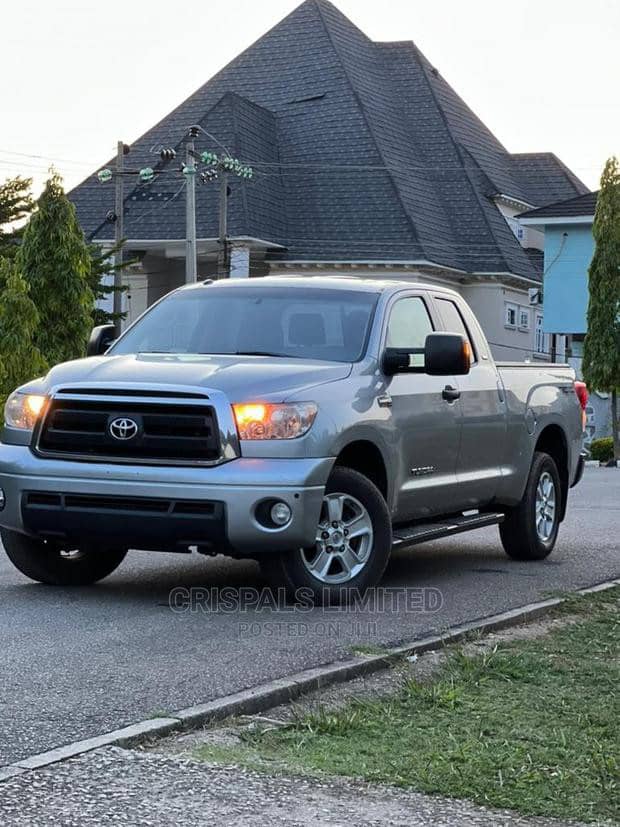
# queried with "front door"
point(426, 425)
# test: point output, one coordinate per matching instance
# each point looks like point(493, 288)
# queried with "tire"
point(46, 563)
point(352, 563)
point(525, 533)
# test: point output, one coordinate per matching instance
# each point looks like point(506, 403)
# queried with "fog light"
point(280, 513)
point(2, 499)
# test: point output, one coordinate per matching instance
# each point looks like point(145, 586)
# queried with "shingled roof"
point(361, 151)
point(581, 206)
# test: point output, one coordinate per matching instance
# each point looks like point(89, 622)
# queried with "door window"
point(453, 321)
point(408, 327)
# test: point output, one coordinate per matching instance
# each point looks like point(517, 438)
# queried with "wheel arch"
point(552, 440)
point(365, 456)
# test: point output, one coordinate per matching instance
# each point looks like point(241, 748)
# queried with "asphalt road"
point(76, 663)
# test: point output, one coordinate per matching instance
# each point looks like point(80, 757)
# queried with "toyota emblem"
point(123, 428)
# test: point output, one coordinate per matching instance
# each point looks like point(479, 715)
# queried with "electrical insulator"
point(104, 175)
point(209, 158)
point(167, 154)
point(146, 174)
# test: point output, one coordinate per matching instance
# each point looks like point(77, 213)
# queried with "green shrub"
point(602, 449)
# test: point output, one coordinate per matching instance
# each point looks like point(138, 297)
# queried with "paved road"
point(81, 662)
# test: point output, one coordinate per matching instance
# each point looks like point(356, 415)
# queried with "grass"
point(532, 726)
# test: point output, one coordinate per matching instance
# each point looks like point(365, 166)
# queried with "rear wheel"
point(530, 529)
point(353, 542)
point(46, 563)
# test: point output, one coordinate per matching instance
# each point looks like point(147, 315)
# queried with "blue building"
point(568, 251)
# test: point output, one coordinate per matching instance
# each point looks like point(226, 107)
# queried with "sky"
point(78, 75)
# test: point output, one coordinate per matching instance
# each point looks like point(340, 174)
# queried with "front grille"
point(166, 432)
point(101, 502)
point(116, 521)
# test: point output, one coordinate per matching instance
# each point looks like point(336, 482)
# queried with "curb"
point(283, 690)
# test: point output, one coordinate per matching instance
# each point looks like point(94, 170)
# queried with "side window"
point(408, 327)
point(453, 320)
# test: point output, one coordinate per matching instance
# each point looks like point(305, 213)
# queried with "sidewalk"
point(113, 786)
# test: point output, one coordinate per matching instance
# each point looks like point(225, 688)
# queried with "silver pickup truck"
point(312, 423)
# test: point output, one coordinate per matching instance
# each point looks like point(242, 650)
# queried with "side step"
point(443, 527)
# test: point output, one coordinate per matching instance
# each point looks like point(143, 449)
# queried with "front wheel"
point(530, 529)
point(46, 563)
point(353, 542)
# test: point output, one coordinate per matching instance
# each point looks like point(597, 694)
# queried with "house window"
point(524, 318)
point(542, 340)
point(510, 315)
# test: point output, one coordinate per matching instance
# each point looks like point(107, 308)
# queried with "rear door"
point(483, 409)
point(426, 426)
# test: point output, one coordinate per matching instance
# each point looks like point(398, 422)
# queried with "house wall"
point(489, 302)
point(568, 253)
point(528, 236)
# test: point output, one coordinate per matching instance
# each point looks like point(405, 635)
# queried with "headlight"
point(261, 420)
point(22, 410)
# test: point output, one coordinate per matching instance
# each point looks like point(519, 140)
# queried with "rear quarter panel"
point(536, 397)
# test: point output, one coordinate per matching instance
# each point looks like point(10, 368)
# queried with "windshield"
point(299, 322)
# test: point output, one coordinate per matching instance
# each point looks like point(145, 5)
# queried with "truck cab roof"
point(320, 282)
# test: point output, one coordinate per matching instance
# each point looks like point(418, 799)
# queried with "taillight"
point(582, 394)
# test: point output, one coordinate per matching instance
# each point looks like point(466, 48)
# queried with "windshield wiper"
point(264, 353)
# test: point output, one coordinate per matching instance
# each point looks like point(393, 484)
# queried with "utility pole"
point(191, 266)
point(222, 256)
point(117, 296)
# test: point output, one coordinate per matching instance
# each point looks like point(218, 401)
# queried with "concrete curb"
point(276, 692)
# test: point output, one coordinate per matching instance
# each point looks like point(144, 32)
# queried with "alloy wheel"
point(344, 540)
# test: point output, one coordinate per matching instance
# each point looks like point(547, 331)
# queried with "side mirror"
point(446, 354)
point(395, 361)
point(100, 339)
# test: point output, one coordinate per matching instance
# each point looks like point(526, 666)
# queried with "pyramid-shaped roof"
point(361, 152)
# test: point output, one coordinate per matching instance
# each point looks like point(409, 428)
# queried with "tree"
point(15, 204)
point(20, 359)
point(101, 266)
point(601, 354)
point(55, 261)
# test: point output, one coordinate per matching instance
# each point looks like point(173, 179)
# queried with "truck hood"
point(241, 378)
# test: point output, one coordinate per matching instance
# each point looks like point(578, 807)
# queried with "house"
point(366, 162)
point(568, 249)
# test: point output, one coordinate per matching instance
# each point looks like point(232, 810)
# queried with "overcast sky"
point(77, 75)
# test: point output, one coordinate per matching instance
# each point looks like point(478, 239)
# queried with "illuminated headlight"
point(22, 410)
point(258, 420)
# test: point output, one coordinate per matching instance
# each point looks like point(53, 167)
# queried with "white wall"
point(488, 301)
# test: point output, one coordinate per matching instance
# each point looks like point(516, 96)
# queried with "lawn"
point(532, 725)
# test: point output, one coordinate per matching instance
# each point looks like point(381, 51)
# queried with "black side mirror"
point(395, 361)
point(446, 354)
point(100, 339)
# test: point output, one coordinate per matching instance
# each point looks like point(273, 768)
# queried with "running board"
point(422, 532)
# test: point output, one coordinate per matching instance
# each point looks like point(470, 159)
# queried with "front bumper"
point(234, 488)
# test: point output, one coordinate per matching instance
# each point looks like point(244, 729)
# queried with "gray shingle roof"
point(582, 205)
point(361, 151)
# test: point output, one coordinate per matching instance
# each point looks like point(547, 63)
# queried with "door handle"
point(450, 394)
